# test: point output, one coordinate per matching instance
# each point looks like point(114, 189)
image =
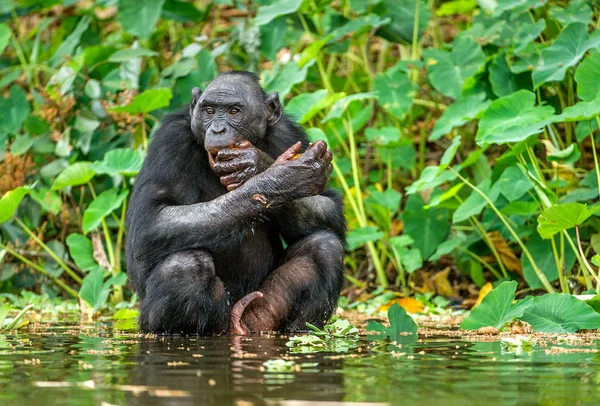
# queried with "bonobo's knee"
point(196, 264)
point(324, 247)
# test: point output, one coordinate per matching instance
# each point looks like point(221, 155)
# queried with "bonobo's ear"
point(275, 109)
point(196, 92)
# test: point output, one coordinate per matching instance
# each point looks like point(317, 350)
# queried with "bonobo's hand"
point(303, 175)
point(236, 165)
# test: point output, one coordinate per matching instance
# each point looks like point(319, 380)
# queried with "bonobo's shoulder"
point(177, 120)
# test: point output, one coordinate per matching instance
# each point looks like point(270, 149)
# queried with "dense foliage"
point(463, 131)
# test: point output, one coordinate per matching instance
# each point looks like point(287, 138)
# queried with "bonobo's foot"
point(236, 326)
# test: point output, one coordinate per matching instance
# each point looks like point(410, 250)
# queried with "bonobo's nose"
point(218, 128)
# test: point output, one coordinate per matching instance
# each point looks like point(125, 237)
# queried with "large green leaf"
point(448, 71)
point(283, 78)
point(104, 204)
point(124, 161)
point(276, 8)
point(49, 201)
point(81, 250)
point(513, 183)
point(543, 255)
point(459, 113)
point(92, 289)
point(363, 235)
point(587, 77)
point(497, 7)
point(577, 11)
point(560, 313)
point(475, 203)
point(68, 46)
point(513, 118)
point(10, 202)
point(568, 48)
point(584, 110)
point(306, 105)
point(428, 227)
point(402, 14)
point(147, 101)
point(561, 217)
point(383, 136)
point(497, 308)
point(400, 324)
point(138, 17)
point(395, 92)
point(13, 110)
point(73, 175)
point(341, 105)
point(503, 81)
point(5, 34)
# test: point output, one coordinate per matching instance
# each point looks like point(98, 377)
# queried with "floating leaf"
point(147, 101)
point(104, 204)
point(448, 71)
point(401, 325)
point(560, 313)
point(513, 118)
point(124, 161)
point(561, 217)
point(568, 48)
point(73, 175)
point(497, 308)
point(459, 113)
point(81, 250)
point(10, 202)
point(138, 17)
point(276, 8)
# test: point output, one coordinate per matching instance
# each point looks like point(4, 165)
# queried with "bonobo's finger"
point(327, 156)
point(288, 154)
point(317, 149)
point(229, 167)
point(233, 186)
point(244, 144)
point(236, 177)
point(227, 154)
point(235, 322)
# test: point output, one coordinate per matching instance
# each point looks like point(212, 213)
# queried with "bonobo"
point(231, 227)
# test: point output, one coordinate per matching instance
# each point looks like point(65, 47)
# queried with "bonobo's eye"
point(209, 110)
point(233, 111)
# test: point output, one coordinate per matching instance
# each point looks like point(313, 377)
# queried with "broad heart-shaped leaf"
point(475, 203)
point(73, 175)
point(363, 235)
point(448, 71)
point(102, 206)
point(560, 313)
point(123, 161)
point(10, 201)
point(497, 308)
point(428, 227)
point(584, 110)
point(513, 118)
point(568, 48)
point(13, 110)
point(92, 289)
point(561, 217)
point(81, 250)
point(5, 34)
point(503, 81)
point(395, 92)
point(138, 17)
point(459, 113)
point(147, 101)
point(576, 12)
point(541, 251)
point(587, 77)
point(276, 8)
point(283, 77)
point(400, 322)
point(513, 183)
point(402, 14)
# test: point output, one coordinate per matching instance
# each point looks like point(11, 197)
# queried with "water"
point(71, 366)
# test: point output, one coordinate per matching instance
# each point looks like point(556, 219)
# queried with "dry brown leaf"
point(442, 284)
point(488, 330)
point(507, 255)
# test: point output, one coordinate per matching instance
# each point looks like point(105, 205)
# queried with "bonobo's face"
point(233, 108)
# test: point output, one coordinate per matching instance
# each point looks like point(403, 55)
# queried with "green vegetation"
point(464, 135)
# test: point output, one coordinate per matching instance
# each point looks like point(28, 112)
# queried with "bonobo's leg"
point(304, 288)
point(183, 295)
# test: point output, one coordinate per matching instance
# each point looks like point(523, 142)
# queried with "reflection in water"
point(59, 366)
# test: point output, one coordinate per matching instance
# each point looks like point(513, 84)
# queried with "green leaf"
point(73, 175)
point(124, 161)
point(400, 324)
point(450, 153)
point(306, 105)
point(147, 101)
point(341, 105)
point(497, 308)
point(127, 54)
point(68, 46)
point(10, 202)
point(543, 255)
point(356, 27)
point(513, 118)
point(402, 14)
point(453, 7)
point(475, 203)
point(283, 78)
point(390, 199)
point(92, 289)
point(13, 110)
point(568, 48)
point(503, 81)
point(48, 200)
point(561, 217)
point(560, 313)
point(448, 71)
point(431, 177)
point(4, 310)
point(5, 34)
point(459, 113)
point(363, 235)
point(21, 144)
point(383, 135)
point(513, 183)
point(587, 77)
point(499, 7)
point(104, 204)
point(81, 250)
point(395, 92)
point(138, 17)
point(276, 8)
point(428, 227)
point(181, 11)
point(584, 110)
point(577, 11)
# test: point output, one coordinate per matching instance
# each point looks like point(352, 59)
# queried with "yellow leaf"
point(487, 288)
point(442, 284)
point(409, 304)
